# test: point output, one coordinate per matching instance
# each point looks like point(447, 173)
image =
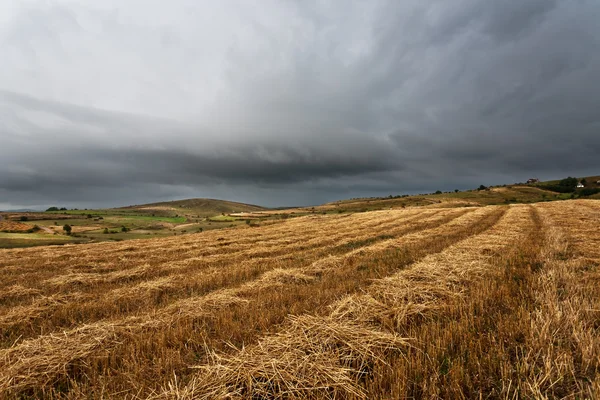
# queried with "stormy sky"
point(289, 102)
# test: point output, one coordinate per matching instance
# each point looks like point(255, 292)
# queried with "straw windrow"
point(422, 303)
point(349, 335)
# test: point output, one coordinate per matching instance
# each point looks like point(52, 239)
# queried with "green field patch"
point(115, 215)
point(80, 212)
point(33, 236)
point(16, 240)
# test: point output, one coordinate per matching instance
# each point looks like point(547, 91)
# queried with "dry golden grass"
point(411, 291)
point(310, 357)
point(16, 292)
point(12, 226)
point(191, 275)
point(495, 302)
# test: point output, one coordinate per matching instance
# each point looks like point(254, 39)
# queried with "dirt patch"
point(78, 229)
point(74, 228)
point(46, 229)
point(250, 215)
point(186, 225)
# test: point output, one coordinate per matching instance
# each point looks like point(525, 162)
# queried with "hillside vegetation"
point(178, 217)
point(438, 301)
point(116, 224)
point(195, 207)
point(488, 196)
point(495, 195)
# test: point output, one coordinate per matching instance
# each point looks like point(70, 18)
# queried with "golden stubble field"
point(478, 302)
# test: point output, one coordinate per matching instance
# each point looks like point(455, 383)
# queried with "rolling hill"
point(196, 207)
point(493, 195)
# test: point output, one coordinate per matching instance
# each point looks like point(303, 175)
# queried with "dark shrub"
point(589, 191)
point(34, 229)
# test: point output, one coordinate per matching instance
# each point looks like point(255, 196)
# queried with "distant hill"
point(591, 181)
point(196, 207)
point(496, 195)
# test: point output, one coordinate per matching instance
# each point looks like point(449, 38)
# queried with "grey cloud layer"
point(293, 101)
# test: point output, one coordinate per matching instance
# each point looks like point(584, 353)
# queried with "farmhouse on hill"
point(533, 180)
point(580, 185)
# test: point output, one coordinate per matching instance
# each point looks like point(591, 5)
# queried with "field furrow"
point(496, 302)
point(559, 352)
point(326, 343)
point(236, 315)
point(145, 287)
point(581, 222)
point(529, 329)
point(94, 261)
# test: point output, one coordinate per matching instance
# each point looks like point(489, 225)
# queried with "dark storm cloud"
point(295, 102)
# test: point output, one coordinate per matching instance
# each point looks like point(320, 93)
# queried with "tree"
point(23, 218)
point(438, 192)
point(568, 182)
point(67, 228)
point(455, 190)
point(482, 187)
point(584, 181)
point(105, 231)
point(567, 185)
point(52, 209)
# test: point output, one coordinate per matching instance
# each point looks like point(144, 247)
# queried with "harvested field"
point(11, 226)
point(443, 302)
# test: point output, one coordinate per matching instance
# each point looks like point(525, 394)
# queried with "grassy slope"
point(498, 195)
point(518, 193)
point(194, 207)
